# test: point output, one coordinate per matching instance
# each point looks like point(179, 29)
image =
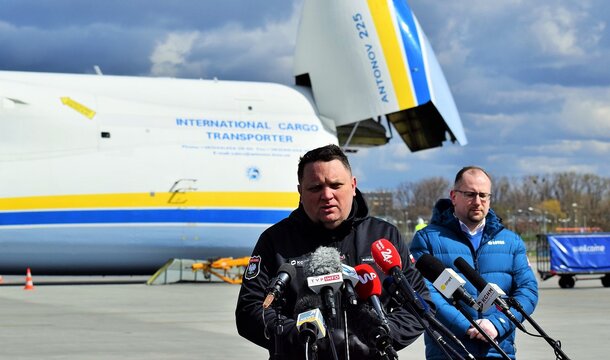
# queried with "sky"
point(530, 78)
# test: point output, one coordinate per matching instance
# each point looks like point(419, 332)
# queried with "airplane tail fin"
point(369, 59)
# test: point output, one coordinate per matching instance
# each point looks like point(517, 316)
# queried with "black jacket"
point(293, 240)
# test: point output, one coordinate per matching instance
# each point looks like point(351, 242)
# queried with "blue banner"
point(580, 253)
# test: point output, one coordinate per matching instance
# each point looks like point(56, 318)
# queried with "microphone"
point(369, 287)
point(284, 274)
point(368, 327)
point(350, 279)
point(310, 322)
point(445, 280)
point(490, 294)
point(390, 286)
point(310, 325)
point(324, 276)
point(388, 260)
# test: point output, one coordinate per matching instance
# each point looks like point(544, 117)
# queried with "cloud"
point(552, 164)
point(586, 113)
point(230, 52)
point(529, 78)
point(170, 54)
point(556, 32)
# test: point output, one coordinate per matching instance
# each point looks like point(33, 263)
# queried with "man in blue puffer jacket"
point(466, 227)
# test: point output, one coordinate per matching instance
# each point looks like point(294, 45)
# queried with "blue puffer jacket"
point(501, 259)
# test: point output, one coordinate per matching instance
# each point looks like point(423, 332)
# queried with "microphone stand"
point(383, 345)
point(476, 326)
point(408, 297)
point(440, 327)
point(329, 314)
point(438, 339)
point(556, 345)
point(278, 327)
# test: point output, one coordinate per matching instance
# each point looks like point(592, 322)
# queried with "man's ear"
point(354, 185)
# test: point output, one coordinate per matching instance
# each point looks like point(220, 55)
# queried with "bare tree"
point(527, 205)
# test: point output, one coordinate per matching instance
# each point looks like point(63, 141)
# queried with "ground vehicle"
point(571, 254)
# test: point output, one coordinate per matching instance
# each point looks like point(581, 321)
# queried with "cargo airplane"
point(115, 175)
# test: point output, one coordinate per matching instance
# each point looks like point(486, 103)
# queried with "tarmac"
point(123, 318)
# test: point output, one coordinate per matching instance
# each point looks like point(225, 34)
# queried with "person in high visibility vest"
point(420, 224)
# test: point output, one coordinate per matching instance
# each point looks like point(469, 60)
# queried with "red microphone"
point(369, 283)
point(386, 256)
point(388, 260)
point(369, 287)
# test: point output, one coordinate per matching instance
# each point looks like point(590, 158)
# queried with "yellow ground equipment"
point(228, 269)
point(187, 270)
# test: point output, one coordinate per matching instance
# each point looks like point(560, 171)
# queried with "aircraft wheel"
point(606, 280)
point(566, 281)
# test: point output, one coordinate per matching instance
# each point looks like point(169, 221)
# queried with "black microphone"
point(388, 259)
point(368, 327)
point(324, 276)
point(490, 293)
point(284, 274)
point(445, 280)
point(310, 322)
point(390, 286)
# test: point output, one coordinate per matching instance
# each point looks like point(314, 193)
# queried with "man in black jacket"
point(332, 213)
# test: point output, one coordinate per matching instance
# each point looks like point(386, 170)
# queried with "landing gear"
point(606, 280)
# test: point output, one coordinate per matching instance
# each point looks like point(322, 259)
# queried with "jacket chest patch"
point(367, 260)
point(496, 242)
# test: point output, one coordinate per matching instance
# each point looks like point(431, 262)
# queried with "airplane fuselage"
point(104, 174)
point(116, 175)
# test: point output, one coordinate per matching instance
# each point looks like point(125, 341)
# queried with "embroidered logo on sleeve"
point(254, 268)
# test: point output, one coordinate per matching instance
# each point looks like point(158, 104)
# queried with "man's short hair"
point(325, 153)
point(460, 174)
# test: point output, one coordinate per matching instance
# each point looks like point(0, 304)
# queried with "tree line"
point(528, 205)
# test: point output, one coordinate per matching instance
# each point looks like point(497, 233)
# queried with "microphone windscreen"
point(369, 283)
point(288, 269)
point(470, 273)
point(308, 301)
point(386, 256)
point(325, 260)
point(430, 267)
point(361, 321)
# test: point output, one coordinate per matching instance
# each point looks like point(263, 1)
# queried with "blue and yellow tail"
point(369, 59)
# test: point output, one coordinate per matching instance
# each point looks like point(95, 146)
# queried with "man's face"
point(327, 191)
point(471, 210)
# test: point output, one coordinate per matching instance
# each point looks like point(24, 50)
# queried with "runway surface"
point(123, 318)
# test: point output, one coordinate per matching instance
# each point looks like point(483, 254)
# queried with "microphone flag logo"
point(387, 255)
point(367, 277)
